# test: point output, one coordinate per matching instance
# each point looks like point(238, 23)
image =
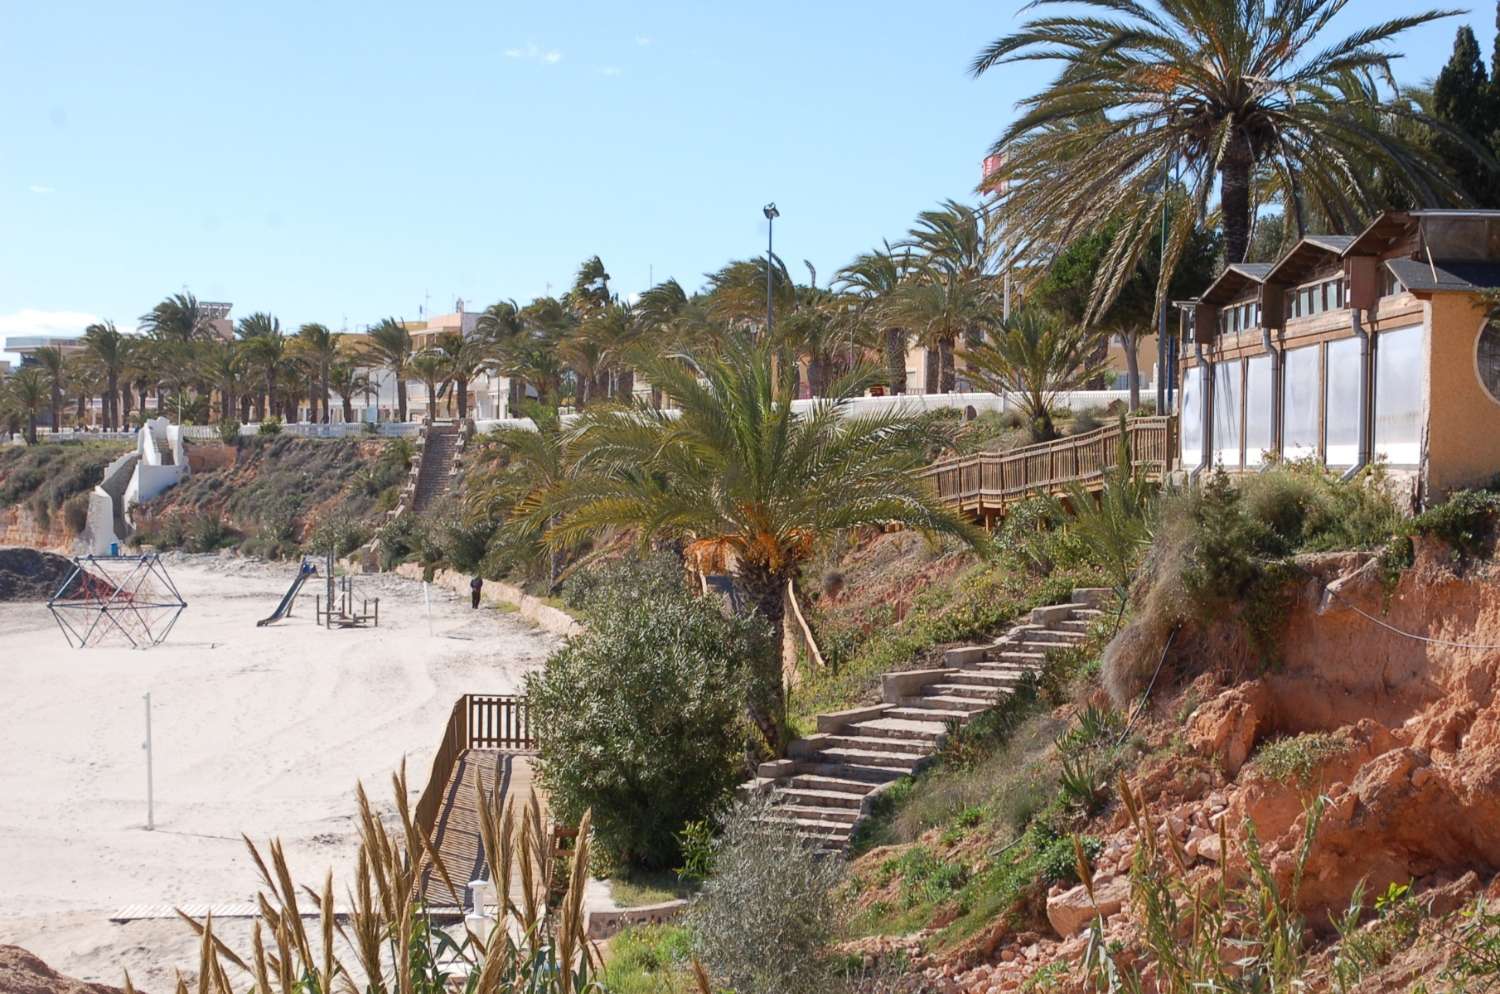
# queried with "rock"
point(23, 973)
point(1225, 728)
point(1210, 848)
point(1071, 911)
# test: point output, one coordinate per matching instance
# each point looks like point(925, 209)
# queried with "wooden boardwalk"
point(986, 485)
point(456, 835)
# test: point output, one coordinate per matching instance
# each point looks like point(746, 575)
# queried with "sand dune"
point(263, 731)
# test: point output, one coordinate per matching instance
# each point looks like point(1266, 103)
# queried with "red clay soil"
point(1408, 683)
point(23, 973)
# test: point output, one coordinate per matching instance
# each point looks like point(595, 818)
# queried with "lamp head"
point(770, 212)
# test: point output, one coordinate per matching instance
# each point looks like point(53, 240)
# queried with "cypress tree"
point(1464, 98)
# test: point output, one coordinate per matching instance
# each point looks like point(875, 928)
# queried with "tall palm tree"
point(747, 484)
point(466, 358)
point(498, 326)
point(346, 379)
point(1227, 92)
point(511, 478)
point(83, 381)
point(107, 348)
point(431, 367)
point(1033, 356)
point(389, 344)
point(264, 348)
point(320, 347)
point(875, 278)
point(956, 255)
point(53, 368)
point(941, 309)
point(178, 318)
point(29, 392)
point(221, 364)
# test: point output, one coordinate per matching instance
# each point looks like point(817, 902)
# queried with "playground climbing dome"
point(117, 600)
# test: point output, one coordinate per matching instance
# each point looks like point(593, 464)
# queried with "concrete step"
point(823, 831)
point(815, 798)
point(979, 677)
point(1093, 596)
point(880, 743)
point(945, 702)
point(874, 776)
point(843, 781)
point(1023, 657)
point(1087, 613)
point(980, 692)
point(899, 728)
point(1080, 625)
point(1043, 647)
point(833, 816)
point(926, 714)
point(1053, 635)
point(905, 761)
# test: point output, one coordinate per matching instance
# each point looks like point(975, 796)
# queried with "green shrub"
point(650, 959)
point(696, 840)
point(206, 531)
point(1296, 758)
point(641, 719)
point(229, 431)
point(76, 513)
point(270, 426)
point(764, 920)
point(341, 532)
point(1465, 521)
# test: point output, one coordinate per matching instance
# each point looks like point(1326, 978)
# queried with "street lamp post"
point(771, 214)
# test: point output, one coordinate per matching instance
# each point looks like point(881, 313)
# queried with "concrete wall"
point(533, 609)
point(1463, 426)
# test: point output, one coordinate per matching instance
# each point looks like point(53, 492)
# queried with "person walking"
point(475, 585)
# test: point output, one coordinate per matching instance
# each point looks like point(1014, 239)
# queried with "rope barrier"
point(1411, 635)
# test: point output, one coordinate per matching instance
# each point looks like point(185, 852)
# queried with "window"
point(1192, 418)
point(1299, 404)
point(1343, 402)
point(1258, 409)
point(1487, 357)
point(1227, 397)
point(1400, 372)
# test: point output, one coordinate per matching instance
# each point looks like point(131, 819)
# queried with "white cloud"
point(534, 53)
point(610, 70)
point(41, 188)
point(644, 40)
point(32, 321)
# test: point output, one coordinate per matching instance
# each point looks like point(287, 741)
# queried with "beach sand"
point(261, 731)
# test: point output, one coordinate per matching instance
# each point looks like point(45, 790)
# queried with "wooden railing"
point(986, 483)
point(477, 721)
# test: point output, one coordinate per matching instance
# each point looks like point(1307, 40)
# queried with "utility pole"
point(771, 214)
point(150, 786)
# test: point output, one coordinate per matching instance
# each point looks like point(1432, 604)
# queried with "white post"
point(150, 787)
point(427, 601)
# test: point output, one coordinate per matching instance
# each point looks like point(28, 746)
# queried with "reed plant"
point(384, 941)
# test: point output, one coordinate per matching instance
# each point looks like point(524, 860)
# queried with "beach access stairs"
point(829, 781)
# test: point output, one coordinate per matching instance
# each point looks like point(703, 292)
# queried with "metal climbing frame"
point(335, 609)
point(129, 600)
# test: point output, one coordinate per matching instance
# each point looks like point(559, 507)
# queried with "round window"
point(1487, 357)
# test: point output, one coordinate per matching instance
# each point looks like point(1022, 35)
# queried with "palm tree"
point(222, 365)
point(1034, 356)
point(875, 278)
point(53, 368)
point(1226, 91)
point(431, 367)
point(942, 308)
point(178, 318)
point(320, 347)
point(346, 379)
point(466, 358)
point(956, 255)
point(512, 477)
point(264, 348)
point(750, 486)
point(107, 348)
point(29, 392)
point(390, 345)
point(82, 380)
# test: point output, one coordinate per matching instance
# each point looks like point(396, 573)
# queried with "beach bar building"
point(1350, 350)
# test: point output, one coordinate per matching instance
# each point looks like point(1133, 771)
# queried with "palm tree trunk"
point(1129, 342)
point(1234, 195)
point(895, 360)
point(124, 406)
point(56, 412)
point(31, 427)
point(462, 383)
point(348, 409)
point(401, 398)
point(431, 402)
point(947, 373)
point(766, 591)
point(323, 387)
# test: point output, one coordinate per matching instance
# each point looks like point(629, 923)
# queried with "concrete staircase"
point(827, 784)
point(435, 472)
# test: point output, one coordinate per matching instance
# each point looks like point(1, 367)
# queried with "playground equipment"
point(284, 609)
point(336, 607)
point(128, 600)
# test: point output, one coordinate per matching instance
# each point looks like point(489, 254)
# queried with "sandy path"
point(257, 730)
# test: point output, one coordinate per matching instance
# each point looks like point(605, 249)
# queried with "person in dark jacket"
point(475, 585)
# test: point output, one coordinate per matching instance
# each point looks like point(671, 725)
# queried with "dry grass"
point(385, 943)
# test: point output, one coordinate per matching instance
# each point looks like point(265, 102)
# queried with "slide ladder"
point(284, 609)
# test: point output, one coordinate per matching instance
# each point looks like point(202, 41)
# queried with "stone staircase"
point(435, 472)
point(828, 782)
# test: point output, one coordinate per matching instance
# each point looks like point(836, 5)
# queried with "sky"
point(341, 162)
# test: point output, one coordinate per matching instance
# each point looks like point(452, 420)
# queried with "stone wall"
point(533, 609)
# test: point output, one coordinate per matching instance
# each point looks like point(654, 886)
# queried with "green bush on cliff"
point(642, 719)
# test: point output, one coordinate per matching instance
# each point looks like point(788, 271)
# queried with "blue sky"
point(339, 162)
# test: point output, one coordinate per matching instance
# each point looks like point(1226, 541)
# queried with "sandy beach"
point(263, 731)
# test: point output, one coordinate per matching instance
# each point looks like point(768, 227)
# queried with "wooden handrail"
point(990, 481)
point(477, 721)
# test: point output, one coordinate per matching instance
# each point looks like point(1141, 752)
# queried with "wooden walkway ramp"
point(986, 485)
point(487, 742)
